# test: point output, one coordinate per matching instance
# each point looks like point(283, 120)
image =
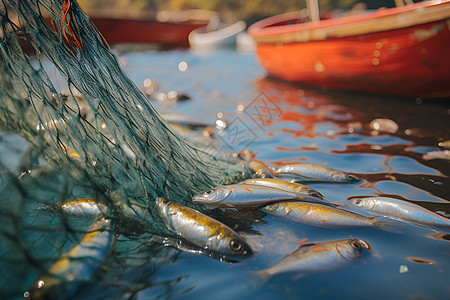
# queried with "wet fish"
point(79, 265)
point(92, 207)
point(249, 195)
point(319, 257)
point(401, 210)
point(81, 207)
point(320, 215)
point(310, 172)
point(285, 185)
point(200, 229)
point(443, 154)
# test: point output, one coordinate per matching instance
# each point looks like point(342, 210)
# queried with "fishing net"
point(101, 139)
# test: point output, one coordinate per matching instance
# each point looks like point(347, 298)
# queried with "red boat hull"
point(119, 31)
point(412, 61)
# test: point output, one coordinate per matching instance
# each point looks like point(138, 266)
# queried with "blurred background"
point(229, 10)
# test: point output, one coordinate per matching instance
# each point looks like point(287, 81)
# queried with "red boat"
point(401, 51)
point(146, 31)
point(163, 29)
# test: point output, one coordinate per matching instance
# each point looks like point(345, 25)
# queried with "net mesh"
point(103, 139)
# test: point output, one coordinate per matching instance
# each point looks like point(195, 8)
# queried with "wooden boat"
point(223, 36)
point(399, 51)
point(169, 33)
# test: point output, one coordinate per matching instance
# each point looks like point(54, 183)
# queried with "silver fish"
point(401, 210)
point(249, 195)
point(320, 215)
point(201, 229)
point(79, 265)
point(443, 154)
point(285, 185)
point(92, 207)
point(81, 207)
point(308, 172)
point(319, 257)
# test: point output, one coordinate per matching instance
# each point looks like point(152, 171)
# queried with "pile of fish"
point(278, 193)
point(273, 190)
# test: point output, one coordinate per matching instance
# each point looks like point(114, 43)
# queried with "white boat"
point(202, 38)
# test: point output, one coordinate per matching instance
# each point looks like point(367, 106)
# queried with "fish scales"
point(401, 210)
point(284, 185)
point(319, 256)
point(201, 229)
point(250, 195)
point(79, 265)
point(319, 215)
point(309, 172)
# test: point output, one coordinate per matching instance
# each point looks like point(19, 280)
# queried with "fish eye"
point(356, 245)
point(235, 245)
point(165, 201)
point(208, 192)
point(272, 206)
point(357, 202)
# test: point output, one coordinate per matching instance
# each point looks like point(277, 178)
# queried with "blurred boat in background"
point(211, 38)
point(400, 51)
point(170, 30)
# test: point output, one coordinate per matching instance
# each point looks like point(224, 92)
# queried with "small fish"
point(443, 154)
point(92, 207)
point(320, 215)
point(200, 229)
point(249, 195)
point(402, 211)
point(285, 185)
point(81, 208)
point(310, 172)
point(79, 265)
point(318, 257)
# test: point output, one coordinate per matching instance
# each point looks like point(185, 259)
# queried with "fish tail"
point(48, 208)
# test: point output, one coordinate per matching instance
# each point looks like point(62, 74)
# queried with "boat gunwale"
point(265, 32)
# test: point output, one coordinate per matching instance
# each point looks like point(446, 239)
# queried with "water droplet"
point(403, 269)
point(220, 124)
point(182, 66)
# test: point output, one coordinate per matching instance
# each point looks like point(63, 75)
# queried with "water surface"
point(285, 123)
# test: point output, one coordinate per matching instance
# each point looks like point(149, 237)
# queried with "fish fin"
point(302, 241)
point(443, 213)
point(259, 277)
point(305, 245)
point(48, 208)
point(298, 276)
point(391, 226)
point(342, 204)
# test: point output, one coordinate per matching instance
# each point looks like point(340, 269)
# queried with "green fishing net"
point(101, 139)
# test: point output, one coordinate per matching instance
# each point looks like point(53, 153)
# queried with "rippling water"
point(285, 123)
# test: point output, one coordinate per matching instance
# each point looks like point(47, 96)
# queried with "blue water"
point(304, 125)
